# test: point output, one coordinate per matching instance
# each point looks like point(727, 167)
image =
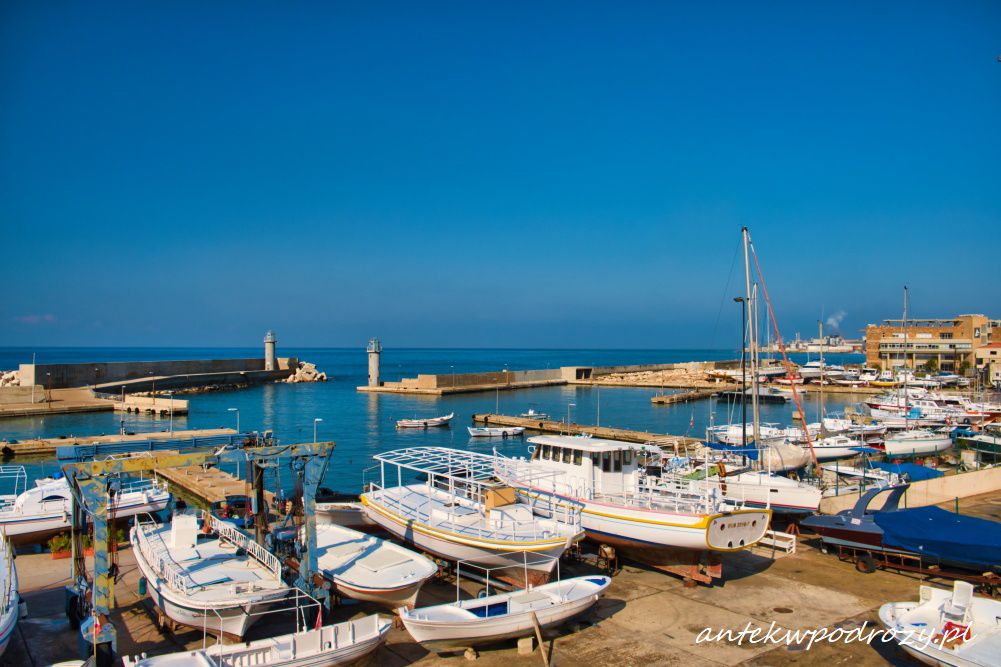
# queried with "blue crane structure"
point(95, 482)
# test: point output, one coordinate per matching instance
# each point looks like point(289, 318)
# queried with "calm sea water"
point(364, 424)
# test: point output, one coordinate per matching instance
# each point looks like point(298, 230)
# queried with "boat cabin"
point(591, 464)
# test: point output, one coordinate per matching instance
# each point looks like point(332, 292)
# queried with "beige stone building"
point(951, 344)
point(989, 363)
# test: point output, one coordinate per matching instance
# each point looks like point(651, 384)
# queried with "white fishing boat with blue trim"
point(216, 578)
point(509, 615)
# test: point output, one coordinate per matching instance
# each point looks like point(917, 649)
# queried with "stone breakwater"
point(10, 379)
point(306, 372)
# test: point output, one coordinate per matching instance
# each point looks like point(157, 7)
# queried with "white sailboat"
point(914, 441)
point(9, 595)
point(217, 583)
point(367, 568)
point(461, 513)
point(46, 509)
point(326, 646)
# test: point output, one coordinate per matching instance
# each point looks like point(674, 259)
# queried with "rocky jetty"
point(306, 372)
point(10, 379)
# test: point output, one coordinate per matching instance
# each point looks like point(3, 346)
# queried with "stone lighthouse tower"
point(374, 350)
point(269, 350)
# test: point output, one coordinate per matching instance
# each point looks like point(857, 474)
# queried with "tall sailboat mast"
point(756, 415)
point(907, 400)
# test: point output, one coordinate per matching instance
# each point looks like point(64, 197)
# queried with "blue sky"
point(506, 174)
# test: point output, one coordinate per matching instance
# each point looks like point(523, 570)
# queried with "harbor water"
point(363, 424)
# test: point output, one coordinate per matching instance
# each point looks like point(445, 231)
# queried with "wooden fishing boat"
point(430, 422)
point(367, 568)
point(943, 627)
point(460, 512)
point(495, 431)
point(468, 623)
point(219, 580)
point(677, 530)
point(326, 646)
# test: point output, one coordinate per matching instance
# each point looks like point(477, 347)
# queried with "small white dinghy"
point(947, 627)
point(466, 623)
point(364, 567)
point(495, 431)
point(430, 422)
point(326, 646)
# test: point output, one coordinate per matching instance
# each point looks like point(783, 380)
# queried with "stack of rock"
point(10, 379)
point(306, 372)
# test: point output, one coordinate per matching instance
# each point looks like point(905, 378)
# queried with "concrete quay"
point(645, 618)
point(48, 446)
point(689, 375)
point(684, 396)
point(606, 432)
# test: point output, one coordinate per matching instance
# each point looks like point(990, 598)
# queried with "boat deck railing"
point(165, 567)
point(253, 548)
point(538, 529)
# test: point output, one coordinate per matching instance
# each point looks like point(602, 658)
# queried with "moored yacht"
point(460, 512)
point(680, 530)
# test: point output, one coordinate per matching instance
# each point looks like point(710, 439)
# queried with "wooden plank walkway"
point(47, 446)
point(208, 484)
point(606, 432)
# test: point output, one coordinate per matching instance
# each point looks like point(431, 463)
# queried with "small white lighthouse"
point(374, 350)
point(269, 350)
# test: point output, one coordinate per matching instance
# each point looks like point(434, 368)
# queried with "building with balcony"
point(949, 345)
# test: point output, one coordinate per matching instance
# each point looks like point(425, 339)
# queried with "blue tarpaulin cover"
point(749, 451)
point(942, 535)
point(914, 472)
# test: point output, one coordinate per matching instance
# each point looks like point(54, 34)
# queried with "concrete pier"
point(209, 485)
point(683, 396)
point(48, 446)
point(607, 432)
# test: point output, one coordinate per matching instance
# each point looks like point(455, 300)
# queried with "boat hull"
point(662, 539)
point(486, 553)
point(8, 614)
point(916, 447)
point(454, 636)
point(28, 529)
point(226, 620)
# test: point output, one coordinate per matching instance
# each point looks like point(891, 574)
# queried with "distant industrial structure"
point(942, 344)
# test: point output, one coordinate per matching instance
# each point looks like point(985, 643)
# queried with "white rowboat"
point(504, 616)
point(495, 431)
point(431, 422)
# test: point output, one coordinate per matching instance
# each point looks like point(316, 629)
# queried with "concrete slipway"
point(647, 618)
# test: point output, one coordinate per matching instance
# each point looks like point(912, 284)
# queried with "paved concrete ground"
point(646, 618)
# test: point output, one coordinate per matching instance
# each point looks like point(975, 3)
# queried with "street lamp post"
point(315, 422)
point(743, 372)
point(152, 379)
point(569, 405)
point(237, 411)
point(170, 397)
